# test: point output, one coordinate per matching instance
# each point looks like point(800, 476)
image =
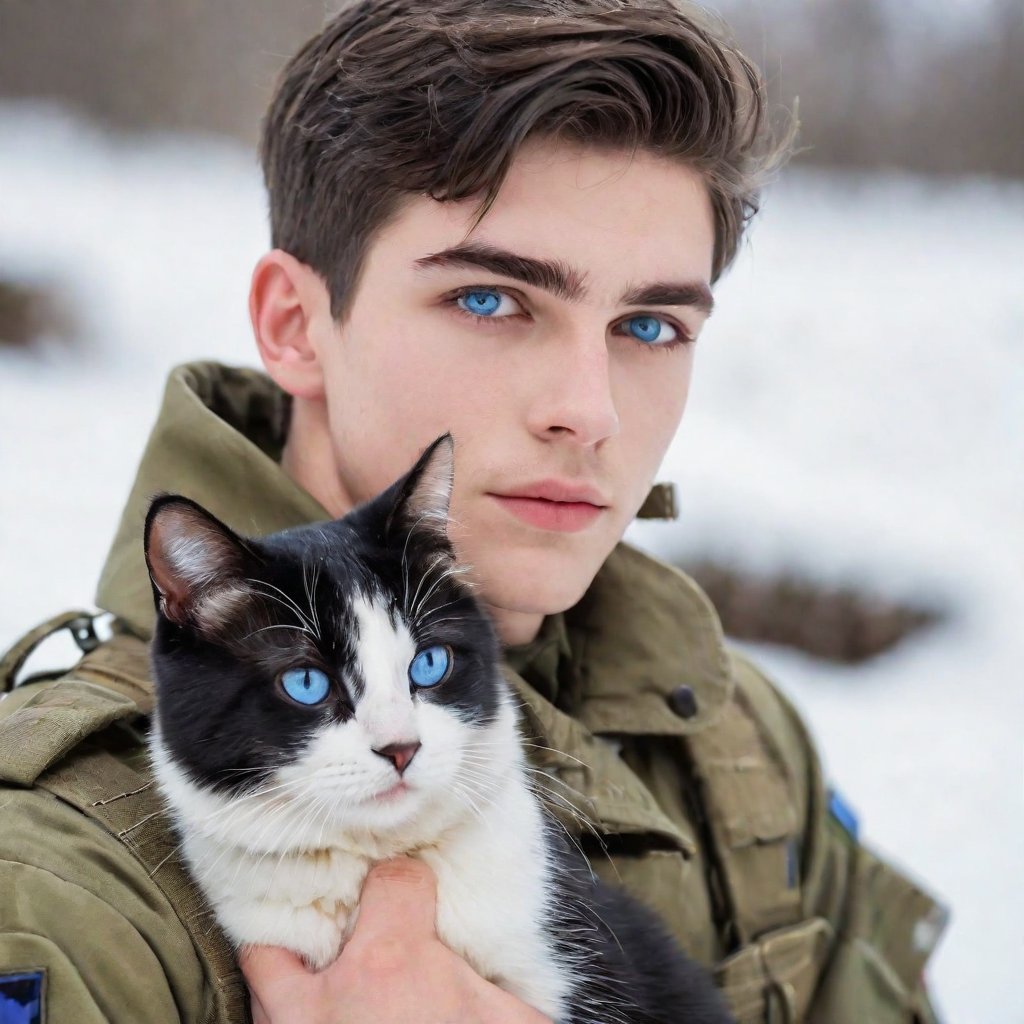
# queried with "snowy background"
point(857, 419)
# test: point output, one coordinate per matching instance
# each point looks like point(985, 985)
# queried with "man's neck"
point(309, 459)
point(515, 627)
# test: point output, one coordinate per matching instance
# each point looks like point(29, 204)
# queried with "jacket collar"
point(642, 630)
point(641, 633)
point(217, 440)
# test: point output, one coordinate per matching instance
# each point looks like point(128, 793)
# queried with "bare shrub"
point(838, 624)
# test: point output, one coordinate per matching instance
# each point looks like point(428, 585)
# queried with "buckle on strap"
point(82, 626)
point(83, 630)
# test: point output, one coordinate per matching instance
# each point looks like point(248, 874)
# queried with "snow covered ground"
point(857, 418)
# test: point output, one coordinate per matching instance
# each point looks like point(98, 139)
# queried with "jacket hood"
point(642, 630)
point(217, 439)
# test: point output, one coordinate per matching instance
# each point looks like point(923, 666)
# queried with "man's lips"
point(569, 491)
point(554, 504)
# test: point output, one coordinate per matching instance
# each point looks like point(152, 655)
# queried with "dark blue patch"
point(843, 813)
point(792, 864)
point(21, 997)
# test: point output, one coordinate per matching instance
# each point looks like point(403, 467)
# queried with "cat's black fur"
point(249, 609)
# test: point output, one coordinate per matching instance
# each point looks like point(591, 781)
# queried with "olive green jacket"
point(673, 763)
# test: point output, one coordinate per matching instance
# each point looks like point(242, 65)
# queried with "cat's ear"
point(191, 555)
point(424, 495)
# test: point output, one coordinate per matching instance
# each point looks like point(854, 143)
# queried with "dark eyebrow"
point(550, 275)
point(671, 293)
point(561, 279)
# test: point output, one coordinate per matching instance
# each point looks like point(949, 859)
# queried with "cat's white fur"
point(285, 865)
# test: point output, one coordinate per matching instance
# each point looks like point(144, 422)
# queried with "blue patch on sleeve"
point(792, 864)
point(21, 997)
point(844, 814)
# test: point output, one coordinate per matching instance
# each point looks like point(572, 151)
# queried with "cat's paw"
point(309, 931)
point(322, 940)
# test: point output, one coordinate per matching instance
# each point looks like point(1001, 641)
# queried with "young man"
point(503, 220)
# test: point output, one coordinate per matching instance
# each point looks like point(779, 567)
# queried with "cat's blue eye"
point(430, 666)
point(488, 302)
point(306, 685)
point(651, 330)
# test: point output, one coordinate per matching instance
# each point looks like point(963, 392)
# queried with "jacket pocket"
point(772, 980)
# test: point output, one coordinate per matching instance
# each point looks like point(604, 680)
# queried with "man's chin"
point(530, 599)
point(521, 581)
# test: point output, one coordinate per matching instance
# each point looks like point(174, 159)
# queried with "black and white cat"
point(329, 697)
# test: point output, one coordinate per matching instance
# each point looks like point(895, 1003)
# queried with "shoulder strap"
point(126, 803)
point(52, 741)
point(79, 623)
point(109, 684)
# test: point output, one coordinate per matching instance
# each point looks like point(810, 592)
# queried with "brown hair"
point(434, 97)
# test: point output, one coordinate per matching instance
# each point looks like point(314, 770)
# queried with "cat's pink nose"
point(399, 754)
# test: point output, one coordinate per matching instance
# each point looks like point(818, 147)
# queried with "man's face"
point(551, 341)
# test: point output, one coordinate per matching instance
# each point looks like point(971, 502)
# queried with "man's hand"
point(393, 969)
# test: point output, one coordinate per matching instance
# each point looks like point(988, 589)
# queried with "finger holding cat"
point(398, 901)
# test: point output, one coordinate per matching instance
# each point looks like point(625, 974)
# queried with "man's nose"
point(574, 398)
point(399, 754)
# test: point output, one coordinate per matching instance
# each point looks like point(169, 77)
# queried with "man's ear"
point(286, 300)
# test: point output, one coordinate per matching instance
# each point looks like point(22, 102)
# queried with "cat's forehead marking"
point(383, 652)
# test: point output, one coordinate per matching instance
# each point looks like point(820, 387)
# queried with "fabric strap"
point(13, 661)
point(126, 803)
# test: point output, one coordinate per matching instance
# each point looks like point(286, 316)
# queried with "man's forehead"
point(586, 224)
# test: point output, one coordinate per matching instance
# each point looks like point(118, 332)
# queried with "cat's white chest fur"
point(492, 900)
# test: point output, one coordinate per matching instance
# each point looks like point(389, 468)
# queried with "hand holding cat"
point(393, 969)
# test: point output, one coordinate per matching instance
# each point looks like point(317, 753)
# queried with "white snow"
point(856, 418)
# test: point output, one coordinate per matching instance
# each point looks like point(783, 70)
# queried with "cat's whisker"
point(485, 781)
point(283, 599)
point(297, 830)
point(561, 753)
point(475, 808)
point(304, 806)
point(276, 625)
point(426, 620)
point(546, 793)
point(243, 807)
point(450, 618)
point(486, 775)
point(454, 570)
point(309, 587)
point(440, 608)
point(405, 564)
point(441, 559)
point(283, 854)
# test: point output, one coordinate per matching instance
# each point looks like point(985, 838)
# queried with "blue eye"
point(649, 329)
point(486, 302)
point(306, 685)
point(430, 666)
